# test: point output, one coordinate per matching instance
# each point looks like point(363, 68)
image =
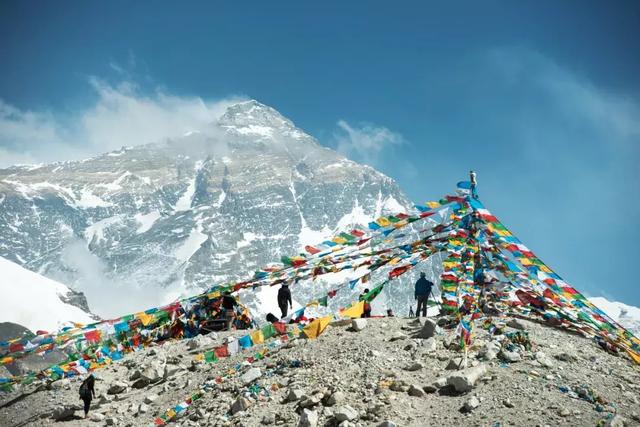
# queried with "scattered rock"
point(429, 345)
point(345, 413)
point(428, 329)
point(416, 366)
point(140, 383)
point(117, 388)
point(615, 421)
point(387, 423)
point(336, 398)
point(398, 336)
point(153, 372)
point(517, 324)
point(543, 359)
point(111, 421)
point(471, 404)
point(241, 404)
point(510, 356)
point(143, 408)
point(358, 324)
point(150, 399)
point(63, 413)
point(415, 391)
point(251, 375)
point(508, 403)
point(465, 380)
point(308, 418)
point(294, 395)
point(567, 357)
point(456, 363)
point(96, 417)
point(268, 419)
point(431, 388)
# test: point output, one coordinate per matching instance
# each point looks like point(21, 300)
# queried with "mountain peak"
point(253, 113)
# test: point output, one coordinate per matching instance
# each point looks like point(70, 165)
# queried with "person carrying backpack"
point(423, 289)
point(366, 309)
point(87, 392)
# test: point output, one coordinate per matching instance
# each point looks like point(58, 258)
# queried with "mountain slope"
point(36, 302)
point(627, 315)
point(171, 218)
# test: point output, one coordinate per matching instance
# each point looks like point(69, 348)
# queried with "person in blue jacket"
point(423, 290)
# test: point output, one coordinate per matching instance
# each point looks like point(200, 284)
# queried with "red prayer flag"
point(221, 351)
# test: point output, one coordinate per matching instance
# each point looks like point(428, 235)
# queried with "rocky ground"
point(378, 372)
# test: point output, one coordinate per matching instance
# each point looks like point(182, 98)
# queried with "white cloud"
point(121, 116)
point(366, 142)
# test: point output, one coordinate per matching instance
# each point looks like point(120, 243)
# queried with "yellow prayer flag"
point(257, 337)
point(354, 311)
point(317, 327)
point(383, 222)
point(145, 318)
point(433, 205)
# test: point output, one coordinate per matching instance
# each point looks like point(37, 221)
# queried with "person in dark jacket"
point(423, 289)
point(284, 300)
point(87, 393)
point(229, 304)
point(271, 318)
point(366, 309)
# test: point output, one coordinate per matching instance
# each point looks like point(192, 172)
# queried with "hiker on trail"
point(229, 305)
point(284, 300)
point(411, 313)
point(87, 392)
point(390, 313)
point(423, 289)
point(367, 307)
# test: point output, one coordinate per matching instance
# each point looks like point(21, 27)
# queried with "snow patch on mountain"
point(34, 301)
point(191, 244)
point(627, 315)
point(146, 221)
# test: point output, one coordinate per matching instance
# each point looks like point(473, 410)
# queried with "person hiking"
point(367, 307)
point(87, 392)
point(423, 289)
point(284, 300)
point(229, 304)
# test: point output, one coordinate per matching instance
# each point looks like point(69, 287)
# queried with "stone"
point(429, 345)
point(398, 336)
point(416, 366)
point(63, 413)
point(61, 384)
point(198, 342)
point(268, 419)
point(387, 423)
point(615, 421)
point(415, 391)
point(517, 324)
point(543, 360)
point(430, 388)
point(456, 364)
point(564, 412)
point(308, 418)
point(310, 401)
point(241, 404)
point(508, 403)
point(465, 380)
point(153, 372)
point(150, 399)
point(96, 417)
point(441, 382)
point(140, 383)
point(336, 398)
point(567, 357)
point(510, 356)
point(117, 388)
point(345, 413)
point(143, 408)
point(111, 421)
point(428, 330)
point(471, 404)
point(251, 375)
point(294, 395)
point(358, 324)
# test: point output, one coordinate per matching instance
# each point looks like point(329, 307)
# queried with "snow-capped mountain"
point(139, 226)
point(626, 315)
point(36, 302)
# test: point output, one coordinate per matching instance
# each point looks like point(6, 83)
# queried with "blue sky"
point(541, 98)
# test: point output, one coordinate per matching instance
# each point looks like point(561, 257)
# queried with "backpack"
point(84, 390)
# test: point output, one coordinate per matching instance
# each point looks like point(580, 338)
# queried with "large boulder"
point(428, 329)
point(117, 388)
point(251, 375)
point(345, 413)
point(308, 418)
point(63, 413)
point(153, 372)
point(463, 381)
point(358, 324)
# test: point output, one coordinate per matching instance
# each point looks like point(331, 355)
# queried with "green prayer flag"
point(210, 357)
point(324, 301)
point(268, 331)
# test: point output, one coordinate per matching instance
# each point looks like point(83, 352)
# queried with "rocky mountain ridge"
point(171, 218)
